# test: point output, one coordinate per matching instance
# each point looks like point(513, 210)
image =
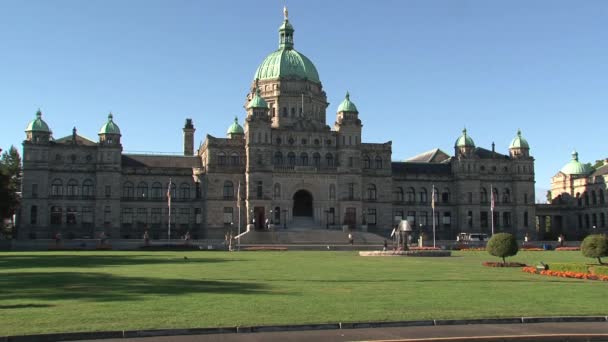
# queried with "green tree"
point(598, 163)
point(595, 246)
point(502, 245)
point(10, 183)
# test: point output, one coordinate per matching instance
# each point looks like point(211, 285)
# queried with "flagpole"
point(169, 221)
point(492, 206)
point(433, 206)
point(302, 104)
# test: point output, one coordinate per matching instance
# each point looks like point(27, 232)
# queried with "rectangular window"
point(127, 216)
point(198, 216)
point(184, 216)
point(411, 218)
point(260, 190)
point(470, 197)
point(371, 217)
point(34, 190)
point(87, 216)
point(108, 191)
point(142, 217)
point(70, 215)
point(351, 191)
point(350, 161)
point(56, 215)
point(506, 219)
point(228, 216)
point(156, 215)
point(107, 215)
point(33, 215)
point(423, 218)
point(483, 219)
point(470, 219)
point(398, 215)
point(447, 219)
point(332, 216)
point(526, 224)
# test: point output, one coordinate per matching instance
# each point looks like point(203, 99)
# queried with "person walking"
point(146, 238)
point(350, 239)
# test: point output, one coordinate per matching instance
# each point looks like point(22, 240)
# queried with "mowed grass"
point(44, 292)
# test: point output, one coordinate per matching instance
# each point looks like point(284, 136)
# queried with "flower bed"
point(425, 248)
point(500, 264)
point(265, 248)
point(476, 249)
point(568, 249)
point(411, 253)
point(567, 274)
point(532, 249)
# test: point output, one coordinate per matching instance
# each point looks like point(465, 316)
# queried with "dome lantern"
point(576, 168)
point(235, 129)
point(465, 140)
point(347, 105)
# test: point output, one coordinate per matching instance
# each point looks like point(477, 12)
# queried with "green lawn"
point(86, 291)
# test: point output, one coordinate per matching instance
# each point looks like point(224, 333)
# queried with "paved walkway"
point(597, 331)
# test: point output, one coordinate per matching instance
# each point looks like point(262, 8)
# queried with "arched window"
point(506, 196)
point(184, 191)
point(411, 195)
point(594, 220)
point(602, 220)
point(445, 195)
point(157, 190)
point(483, 195)
point(367, 164)
point(371, 192)
point(142, 190)
point(88, 189)
point(316, 159)
point(291, 159)
point(277, 191)
point(293, 112)
point(278, 158)
point(329, 160)
point(579, 199)
point(423, 195)
point(586, 196)
point(304, 159)
point(127, 190)
point(398, 194)
point(378, 162)
point(332, 192)
point(593, 197)
point(228, 190)
point(284, 111)
point(601, 196)
point(526, 224)
point(221, 159)
point(57, 187)
point(234, 159)
point(72, 189)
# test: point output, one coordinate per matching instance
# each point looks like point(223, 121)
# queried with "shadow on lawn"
point(25, 306)
point(106, 287)
point(88, 261)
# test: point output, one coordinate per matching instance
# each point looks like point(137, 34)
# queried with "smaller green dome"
point(110, 127)
point(574, 167)
point(235, 128)
point(347, 105)
point(519, 141)
point(464, 140)
point(257, 101)
point(38, 125)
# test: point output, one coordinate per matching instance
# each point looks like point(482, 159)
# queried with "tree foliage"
point(502, 245)
point(595, 246)
point(10, 183)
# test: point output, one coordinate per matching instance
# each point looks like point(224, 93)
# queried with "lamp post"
point(271, 222)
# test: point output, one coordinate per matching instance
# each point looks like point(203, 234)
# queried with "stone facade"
point(286, 167)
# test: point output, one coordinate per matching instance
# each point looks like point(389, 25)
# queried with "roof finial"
point(464, 131)
point(285, 12)
point(347, 95)
point(236, 119)
point(110, 116)
point(575, 155)
point(39, 113)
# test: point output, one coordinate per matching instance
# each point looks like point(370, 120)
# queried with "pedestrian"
point(187, 238)
point(561, 240)
point(102, 238)
point(146, 238)
point(385, 246)
point(526, 238)
point(267, 224)
point(57, 239)
point(350, 239)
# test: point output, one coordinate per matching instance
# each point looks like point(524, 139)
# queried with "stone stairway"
point(309, 237)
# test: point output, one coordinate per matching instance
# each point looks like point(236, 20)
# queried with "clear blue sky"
point(418, 71)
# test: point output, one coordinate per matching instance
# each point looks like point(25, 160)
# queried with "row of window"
point(158, 191)
point(302, 160)
point(591, 221)
point(71, 189)
point(590, 198)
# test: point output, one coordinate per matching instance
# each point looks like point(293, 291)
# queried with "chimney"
point(493, 147)
point(189, 138)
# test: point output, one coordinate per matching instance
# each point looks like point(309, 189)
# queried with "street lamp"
point(271, 222)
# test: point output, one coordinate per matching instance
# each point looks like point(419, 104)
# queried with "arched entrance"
point(302, 203)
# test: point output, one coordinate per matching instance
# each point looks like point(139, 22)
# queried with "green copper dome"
point(38, 125)
point(574, 167)
point(287, 62)
point(235, 128)
point(464, 140)
point(519, 141)
point(110, 127)
point(257, 101)
point(347, 105)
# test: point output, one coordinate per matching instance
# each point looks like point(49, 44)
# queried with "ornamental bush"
point(502, 245)
point(595, 246)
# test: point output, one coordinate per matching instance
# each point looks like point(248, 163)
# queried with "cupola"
point(109, 132)
point(37, 130)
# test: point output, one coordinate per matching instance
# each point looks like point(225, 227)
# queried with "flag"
point(433, 198)
point(169, 193)
point(238, 195)
point(492, 199)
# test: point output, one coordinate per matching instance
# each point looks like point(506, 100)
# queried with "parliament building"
point(281, 165)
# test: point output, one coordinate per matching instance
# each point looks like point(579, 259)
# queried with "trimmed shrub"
point(569, 267)
point(595, 246)
point(502, 245)
point(600, 270)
